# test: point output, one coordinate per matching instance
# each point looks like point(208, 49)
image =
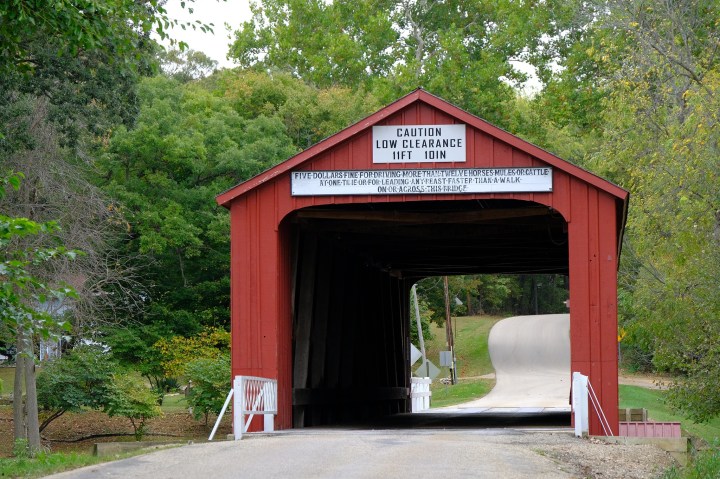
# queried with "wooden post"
point(420, 331)
point(448, 330)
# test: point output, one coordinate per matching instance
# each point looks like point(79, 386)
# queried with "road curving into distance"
point(531, 357)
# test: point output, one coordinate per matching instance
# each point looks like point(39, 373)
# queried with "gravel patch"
point(596, 459)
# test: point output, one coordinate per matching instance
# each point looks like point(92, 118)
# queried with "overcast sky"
point(232, 12)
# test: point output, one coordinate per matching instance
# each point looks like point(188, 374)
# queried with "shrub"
point(210, 385)
point(80, 379)
point(705, 465)
point(177, 351)
point(132, 399)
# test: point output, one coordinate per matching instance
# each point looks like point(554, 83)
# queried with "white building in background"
point(51, 347)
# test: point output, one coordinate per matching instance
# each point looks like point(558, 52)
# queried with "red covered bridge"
point(326, 245)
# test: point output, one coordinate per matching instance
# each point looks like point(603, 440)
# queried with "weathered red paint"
point(261, 316)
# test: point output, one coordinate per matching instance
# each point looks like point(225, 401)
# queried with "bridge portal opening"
point(352, 267)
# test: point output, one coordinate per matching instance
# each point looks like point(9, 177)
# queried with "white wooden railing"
point(255, 396)
point(582, 394)
point(420, 394)
point(252, 395)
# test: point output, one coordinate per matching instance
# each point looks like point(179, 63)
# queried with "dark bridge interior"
point(353, 266)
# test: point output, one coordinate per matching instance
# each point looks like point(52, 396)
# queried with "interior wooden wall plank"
point(304, 316)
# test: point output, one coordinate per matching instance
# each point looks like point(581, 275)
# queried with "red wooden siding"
point(262, 269)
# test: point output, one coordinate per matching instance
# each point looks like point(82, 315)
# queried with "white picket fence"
point(420, 394)
point(252, 395)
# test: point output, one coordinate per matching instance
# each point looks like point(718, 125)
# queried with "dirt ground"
point(648, 381)
point(71, 432)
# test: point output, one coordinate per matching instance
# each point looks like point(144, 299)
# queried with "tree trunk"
point(20, 431)
point(31, 402)
point(25, 413)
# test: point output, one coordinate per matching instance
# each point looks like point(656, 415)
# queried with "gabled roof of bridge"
point(461, 115)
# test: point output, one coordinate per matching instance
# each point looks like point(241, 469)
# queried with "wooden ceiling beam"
point(423, 218)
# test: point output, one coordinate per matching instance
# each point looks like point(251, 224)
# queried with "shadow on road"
point(465, 420)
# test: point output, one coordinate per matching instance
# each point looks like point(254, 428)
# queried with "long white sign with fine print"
point(421, 181)
point(419, 144)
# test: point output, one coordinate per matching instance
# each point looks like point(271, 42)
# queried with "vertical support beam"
point(238, 407)
point(259, 290)
point(593, 297)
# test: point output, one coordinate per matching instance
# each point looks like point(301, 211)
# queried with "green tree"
point(164, 173)
point(177, 352)
point(660, 141)
point(132, 345)
point(495, 294)
point(191, 141)
point(132, 399)
point(62, 57)
point(338, 43)
point(209, 384)
point(81, 26)
point(21, 293)
point(465, 50)
point(187, 65)
point(80, 379)
point(308, 113)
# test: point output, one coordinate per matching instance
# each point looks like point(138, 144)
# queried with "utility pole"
point(449, 331)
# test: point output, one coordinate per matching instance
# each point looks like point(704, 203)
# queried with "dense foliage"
point(132, 399)
point(81, 379)
point(209, 384)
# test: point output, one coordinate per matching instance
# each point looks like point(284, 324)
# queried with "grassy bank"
point(471, 346)
point(46, 463)
point(7, 376)
point(473, 360)
point(654, 401)
point(465, 390)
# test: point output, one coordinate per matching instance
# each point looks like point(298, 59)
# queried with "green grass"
point(45, 464)
point(471, 347)
point(174, 403)
point(473, 360)
point(706, 464)
point(654, 401)
point(465, 390)
point(7, 375)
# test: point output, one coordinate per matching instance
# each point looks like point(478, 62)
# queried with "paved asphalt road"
point(531, 357)
point(451, 444)
point(490, 453)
